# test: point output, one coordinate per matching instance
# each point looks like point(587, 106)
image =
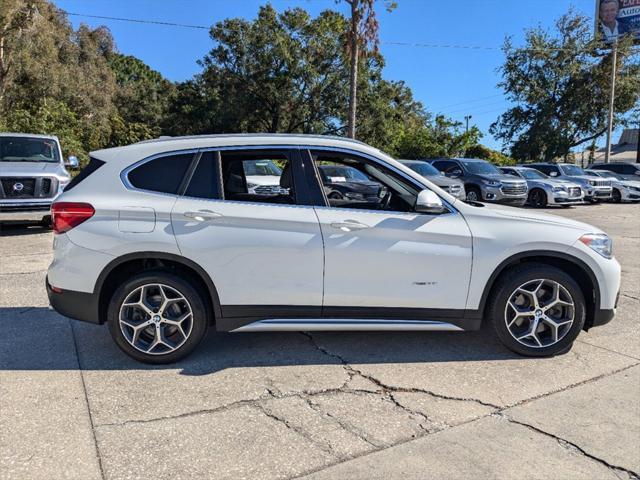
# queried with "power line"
point(135, 20)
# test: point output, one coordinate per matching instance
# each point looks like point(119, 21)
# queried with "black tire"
point(335, 196)
point(616, 196)
point(515, 278)
point(46, 221)
point(473, 192)
point(199, 316)
point(537, 198)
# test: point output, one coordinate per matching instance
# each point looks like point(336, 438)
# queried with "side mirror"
point(553, 174)
point(429, 202)
point(72, 162)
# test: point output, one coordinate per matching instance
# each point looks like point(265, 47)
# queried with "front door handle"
point(349, 225)
point(203, 215)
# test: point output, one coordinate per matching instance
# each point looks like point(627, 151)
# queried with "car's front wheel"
point(157, 317)
point(473, 194)
point(537, 310)
point(537, 198)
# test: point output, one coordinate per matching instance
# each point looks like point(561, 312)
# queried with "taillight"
point(67, 215)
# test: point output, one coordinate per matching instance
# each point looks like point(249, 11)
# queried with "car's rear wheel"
point(537, 310)
point(473, 194)
point(157, 317)
point(537, 198)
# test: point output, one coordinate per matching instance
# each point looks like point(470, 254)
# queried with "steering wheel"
point(386, 201)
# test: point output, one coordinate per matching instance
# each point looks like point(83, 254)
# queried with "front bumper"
point(77, 305)
point(24, 212)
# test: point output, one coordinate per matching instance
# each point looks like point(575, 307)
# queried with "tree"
point(15, 17)
point(278, 73)
point(560, 83)
point(362, 34)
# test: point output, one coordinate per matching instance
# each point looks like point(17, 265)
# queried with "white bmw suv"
point(165, 239)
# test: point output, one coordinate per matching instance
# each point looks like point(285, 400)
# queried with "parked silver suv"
point(595, 188)
point(32, 175)
point(483, 181)
point(544, 190)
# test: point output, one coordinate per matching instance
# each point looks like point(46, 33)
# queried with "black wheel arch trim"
point(204, 276)
point(532, 254)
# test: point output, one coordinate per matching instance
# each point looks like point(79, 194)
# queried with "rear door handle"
point(203, 215)
point(349, 225)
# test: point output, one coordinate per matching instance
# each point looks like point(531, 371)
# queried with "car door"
point(262, 250)
point(393, 261)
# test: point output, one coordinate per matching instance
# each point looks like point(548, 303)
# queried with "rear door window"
point(206, 179)
point(163, 175)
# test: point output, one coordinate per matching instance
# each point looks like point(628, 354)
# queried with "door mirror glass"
point(429, 202)
point(72, 162)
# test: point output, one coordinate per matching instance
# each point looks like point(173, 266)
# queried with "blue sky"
point(452, 81)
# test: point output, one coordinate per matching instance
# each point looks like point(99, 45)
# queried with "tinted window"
point(572, 170)
point(92, 166)
point(481, 168)
point(628, 169)
point(205, 181)
point(423, 168)
point(546, 168)
point(443, 165)
point(164, 174)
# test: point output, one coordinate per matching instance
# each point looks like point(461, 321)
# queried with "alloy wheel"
point(472, 196)
point(539, 313)
point(156, 319)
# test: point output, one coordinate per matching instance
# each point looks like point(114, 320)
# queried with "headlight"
point(599, 242)
point(560, 189)
point(491, 183)
point(592, 183)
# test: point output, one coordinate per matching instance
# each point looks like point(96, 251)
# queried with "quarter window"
point(163, 175)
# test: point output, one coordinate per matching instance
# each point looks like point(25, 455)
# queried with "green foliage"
point(485, 153)
point(560, 86)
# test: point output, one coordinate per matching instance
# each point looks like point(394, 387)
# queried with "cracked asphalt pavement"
point(316, 406)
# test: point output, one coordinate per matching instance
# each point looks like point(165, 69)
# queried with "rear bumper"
point(77, 305)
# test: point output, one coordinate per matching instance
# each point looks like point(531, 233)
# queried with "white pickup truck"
point(32, 175)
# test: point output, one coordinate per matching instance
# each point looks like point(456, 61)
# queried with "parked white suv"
point(163, 239)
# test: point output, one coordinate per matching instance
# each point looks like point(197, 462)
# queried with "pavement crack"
point(390, 388)
point(630, 296)
point(572, 446)
point(425, 426)
point(86, 399)
point(325, 447)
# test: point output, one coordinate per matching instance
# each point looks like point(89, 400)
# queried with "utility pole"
point(467, 118)
point(614, 66)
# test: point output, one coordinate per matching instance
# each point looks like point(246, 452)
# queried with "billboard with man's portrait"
point(615, 18)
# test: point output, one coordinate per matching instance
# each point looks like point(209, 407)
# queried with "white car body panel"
point(398, 261)
point(255, 253)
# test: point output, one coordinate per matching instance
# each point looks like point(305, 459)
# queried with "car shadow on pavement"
point(38, 338)
point(15, 229)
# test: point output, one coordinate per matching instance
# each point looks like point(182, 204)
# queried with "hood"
point(263, 179)
point(543, 218)
point(501, 177)
point(27, 169)
point(553, 182)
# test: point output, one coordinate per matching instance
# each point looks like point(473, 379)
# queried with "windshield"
point(591, 174)
point(261, 167)
point(424, 169)
point(572, 170)
point(481, 168)
point(532, 174)
point(342, 174)
point(26, 149)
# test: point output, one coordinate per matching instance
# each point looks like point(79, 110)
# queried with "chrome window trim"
point(125, 172)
